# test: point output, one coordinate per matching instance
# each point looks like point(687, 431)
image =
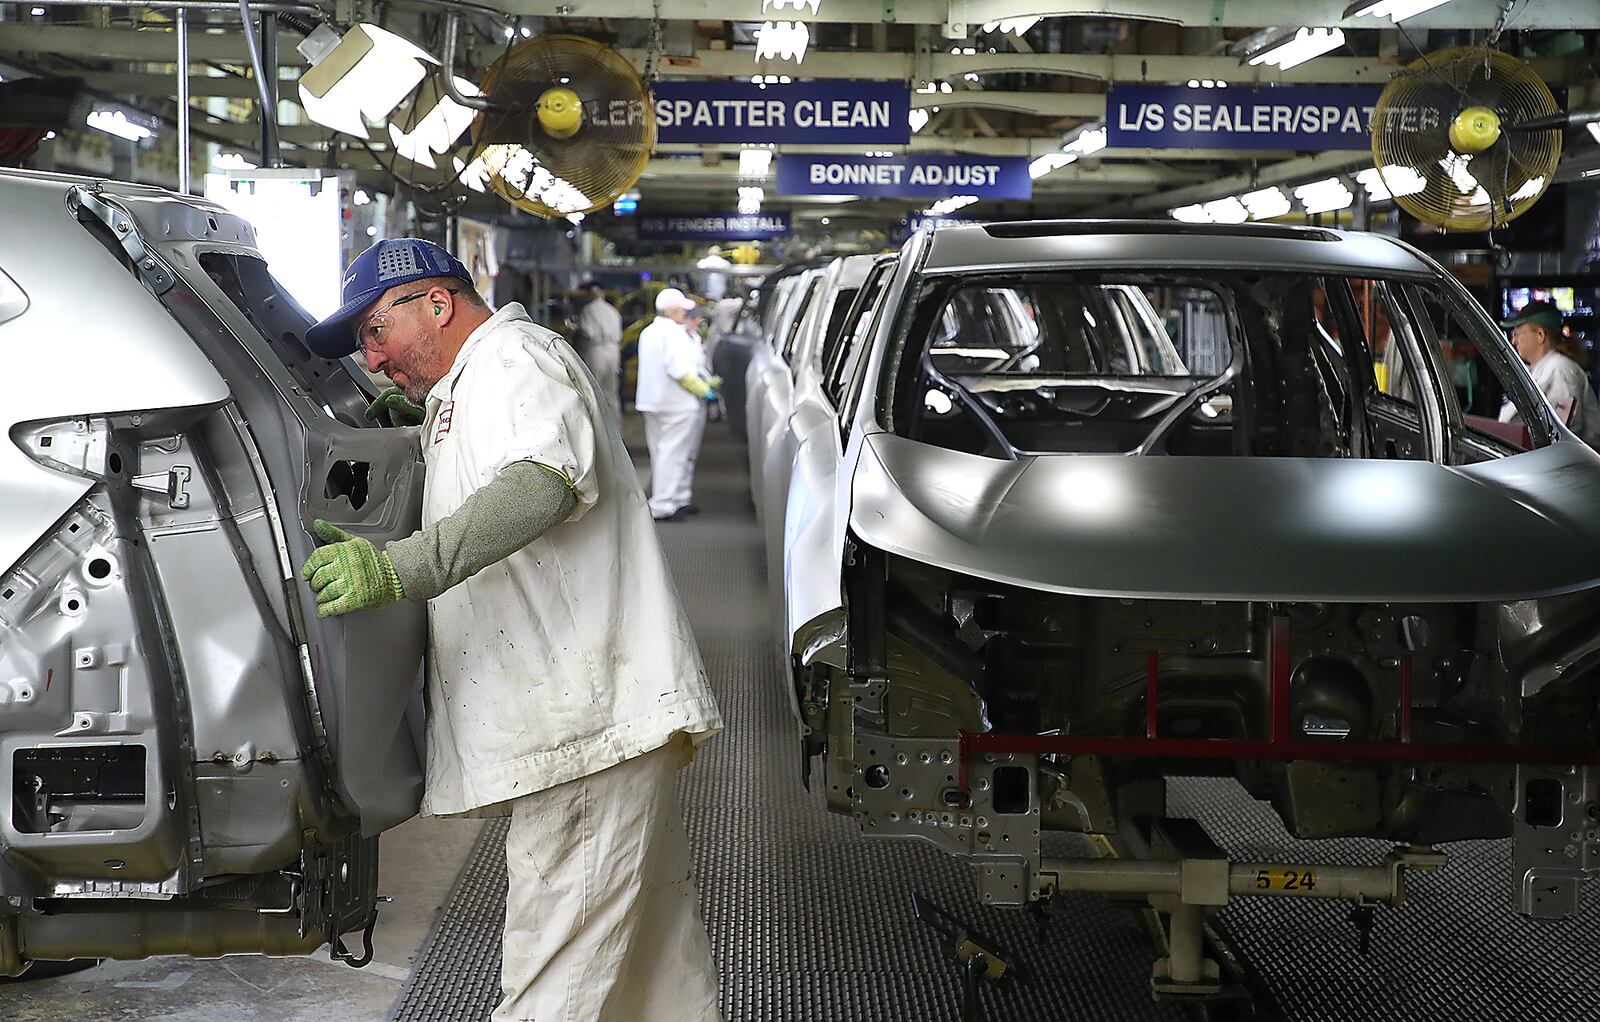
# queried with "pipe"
point(180, 5)
point(183, 100)
point(448, 74)
point(269, 109)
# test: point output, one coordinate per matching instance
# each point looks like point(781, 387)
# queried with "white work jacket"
point(601, 324)
point(667, 353)
point(572, 654)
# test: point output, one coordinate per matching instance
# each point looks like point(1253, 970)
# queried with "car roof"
point(1167, 244)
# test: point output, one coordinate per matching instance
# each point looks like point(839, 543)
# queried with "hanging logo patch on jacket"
point(441, 427)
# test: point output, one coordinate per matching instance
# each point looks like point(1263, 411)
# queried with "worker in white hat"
point(673, 393)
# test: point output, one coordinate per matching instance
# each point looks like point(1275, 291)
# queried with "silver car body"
point(922, 583)
point(197, 764)
point(768, 379)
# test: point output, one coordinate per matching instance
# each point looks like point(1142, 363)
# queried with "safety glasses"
point(375, 327)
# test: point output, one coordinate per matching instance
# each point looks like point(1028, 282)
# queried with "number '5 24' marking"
point(1286, 879)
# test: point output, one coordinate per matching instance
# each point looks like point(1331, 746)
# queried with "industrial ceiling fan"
point(565, 124)
point(1468, 139)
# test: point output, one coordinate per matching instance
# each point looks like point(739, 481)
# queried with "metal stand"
point(979, 957)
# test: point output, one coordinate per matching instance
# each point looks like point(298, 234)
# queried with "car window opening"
point(1214, 364)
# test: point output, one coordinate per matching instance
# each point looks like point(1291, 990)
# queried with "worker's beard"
point(419, 365)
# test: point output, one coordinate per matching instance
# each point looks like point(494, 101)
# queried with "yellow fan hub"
point(560, 113)
point(1475, 129)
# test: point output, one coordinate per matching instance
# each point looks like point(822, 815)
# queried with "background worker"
point(673, 392)
point(562, 684)
point(600, 324)
point(1537, 335)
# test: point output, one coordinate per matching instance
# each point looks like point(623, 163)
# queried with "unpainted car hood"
point(1240, 528)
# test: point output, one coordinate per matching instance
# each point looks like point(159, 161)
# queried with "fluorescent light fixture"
point(115, 122)
point(47, 135)
point(1193, 214)
point(1088, 142)
point(372, 231)
point(1395, 10)
point(782, 40)
point(919, 119)
point(430, 125)
point(1455, 165)
point(1594, 130)
point(972, 76)
point(473, 174)
point(1266, 203)
point(521, 171)
point(1050, 162)
point(750, 200)
point(37, 12)
point(754, 162)
point(1529, 190)
point(360, 197)
point(1396, 179)
point(232, 161)
point(1305, 44)
point(1227, 210)
point(1014, 26)
point(575, 218)
point(527, 33)
point(815, 6)
point(361, 79)
point(825, 221)
point(1324, 196)
point(950, 205)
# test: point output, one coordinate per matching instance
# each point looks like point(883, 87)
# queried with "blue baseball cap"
point(387, 264)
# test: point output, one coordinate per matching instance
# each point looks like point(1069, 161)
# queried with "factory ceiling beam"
point(965, 15)
point(156, 45)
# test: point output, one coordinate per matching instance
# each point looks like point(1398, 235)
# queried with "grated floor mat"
point(810, 920)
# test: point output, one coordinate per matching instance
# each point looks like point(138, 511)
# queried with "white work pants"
point(604, 361)
point(674, 442)
point(601, 918)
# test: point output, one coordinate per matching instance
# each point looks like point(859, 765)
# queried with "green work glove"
point(349, 573)
point(391, 408)
point(714, 382)
point(696, 386)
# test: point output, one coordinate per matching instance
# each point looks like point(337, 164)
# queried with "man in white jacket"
point(601, 326)
point(673, 392)
point(563, 688)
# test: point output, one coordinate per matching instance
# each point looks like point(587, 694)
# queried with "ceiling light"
point(37, 12)
point(233, 161)
point(1191, 214)
point(1305, 44)
point(750, 200)
point(429, 125)
point(510, 32)
point(1324, 196)
point(795, 5)
point(47, 135)
point(474, 175)
point(362, 78)
point(919, 119)
point(1194, 83)
point(1050, 162)
point(360, 197)
point(1088, 142)
point(115, 122)
point(754, 162)
point(1227, 210)
point(1015, 26)
point(372, 231)
point(526, 32)
point(824, 221)
point(1594, 130)
point(1396, 10)
point(1393, 180)
point(575, 218)
point(1266, 203)
point(1529, 190)
point(783, 40)
point(949, 205)
point(971, 76)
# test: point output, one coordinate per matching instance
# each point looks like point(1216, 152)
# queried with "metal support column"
point(183, 101)
point(269, 67)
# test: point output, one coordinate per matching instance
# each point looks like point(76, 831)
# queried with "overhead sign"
point(917, 176)
point(714, 226)
point(815, 113)
point(929, 223)
point(1241, 117)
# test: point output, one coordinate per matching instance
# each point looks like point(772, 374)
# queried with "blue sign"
point(928, 223)
point(917, 176)
point(762, 226)
point(812, 113)
point(1241, 117)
